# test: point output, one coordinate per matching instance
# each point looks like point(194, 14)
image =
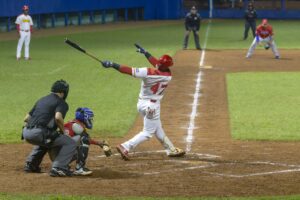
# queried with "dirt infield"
point(216, 164)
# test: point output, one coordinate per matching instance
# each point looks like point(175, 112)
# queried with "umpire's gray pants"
point(196, 38)
point(39, 136)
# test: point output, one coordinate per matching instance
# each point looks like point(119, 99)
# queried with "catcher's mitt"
point(106, 148)
point(267, 46)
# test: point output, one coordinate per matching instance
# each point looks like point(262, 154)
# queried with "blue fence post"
point(79, 18)
point(39, 21)
point(103, 17)
point(136, 14)
point(92, 17)
point(8, 24)
point(115, 15)
point(126, 14)
point(283, 4)
point(53, 20)
point(66, 19)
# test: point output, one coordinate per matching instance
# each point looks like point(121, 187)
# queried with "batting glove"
point(140, 49)
point(108, 64)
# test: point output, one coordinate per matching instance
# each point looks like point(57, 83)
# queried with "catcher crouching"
point(77, 130)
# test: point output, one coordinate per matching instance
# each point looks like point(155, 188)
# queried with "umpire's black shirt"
point(250, 15)
point(192, 21)
point(43, 112)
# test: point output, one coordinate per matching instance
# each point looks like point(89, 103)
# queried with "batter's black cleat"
point(59, 172)
point(30, 168)
point(199, 48)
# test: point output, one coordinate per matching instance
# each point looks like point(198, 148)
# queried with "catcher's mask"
point(61, 86)
point(165, 62)
point(193, 10)
point(85, 115)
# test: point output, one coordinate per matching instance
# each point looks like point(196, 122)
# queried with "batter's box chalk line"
point(190, 154)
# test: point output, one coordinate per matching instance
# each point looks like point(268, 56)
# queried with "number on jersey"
point(159, 88)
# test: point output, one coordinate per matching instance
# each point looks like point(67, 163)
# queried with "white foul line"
point(191, 127)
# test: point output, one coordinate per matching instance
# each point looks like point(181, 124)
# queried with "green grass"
point(61, 197)
point(264, 106)
point(111, 95)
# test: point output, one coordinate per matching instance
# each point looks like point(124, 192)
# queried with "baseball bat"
point(76, 46)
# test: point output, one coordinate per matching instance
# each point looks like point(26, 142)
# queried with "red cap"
point(25, 7)
point(165, 61)
point(264, 22)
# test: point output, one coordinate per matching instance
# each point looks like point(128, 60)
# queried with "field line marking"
point(253, 174)
point(190, 130)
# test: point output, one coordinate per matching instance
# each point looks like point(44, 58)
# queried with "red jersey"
point(70, 129)
point(264, 32)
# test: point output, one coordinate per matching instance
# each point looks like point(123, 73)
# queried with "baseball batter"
point(264, 35)
point(77, 130)
point(154, 82)
point(24, 25)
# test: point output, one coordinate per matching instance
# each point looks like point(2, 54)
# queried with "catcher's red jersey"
point(73, 128)
point(264, 32)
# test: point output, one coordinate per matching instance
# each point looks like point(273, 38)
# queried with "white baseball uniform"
point(154, 82)
point(25, 22)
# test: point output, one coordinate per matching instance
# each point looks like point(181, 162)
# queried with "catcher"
point(77, 130)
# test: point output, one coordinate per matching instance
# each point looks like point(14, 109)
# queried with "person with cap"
point(250, 20)
point(44, 128)
point(24, 25)
point(192, 23)
point(265, 36)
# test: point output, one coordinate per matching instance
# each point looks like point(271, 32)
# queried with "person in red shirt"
point(264, 35)
point(77, 130)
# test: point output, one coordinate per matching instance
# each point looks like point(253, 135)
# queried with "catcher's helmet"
point(85, 115)
point(60, 86)
point(165, 61)
point(25, 7)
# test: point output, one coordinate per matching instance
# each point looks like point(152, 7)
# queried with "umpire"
point(192, 23)
point(41, 125)
point(250, 17)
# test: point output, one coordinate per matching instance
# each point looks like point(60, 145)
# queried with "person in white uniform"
point(24, 26)
point(154, 82)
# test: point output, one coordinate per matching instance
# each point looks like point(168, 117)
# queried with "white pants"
point(24, 37)
point(152, 126)
point(267, 40)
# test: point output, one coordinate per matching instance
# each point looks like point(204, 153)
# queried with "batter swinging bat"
point(76, 46)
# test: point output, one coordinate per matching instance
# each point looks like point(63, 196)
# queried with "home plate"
point(206, 67)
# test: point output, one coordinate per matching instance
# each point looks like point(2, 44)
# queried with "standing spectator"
point(192, 23)
point(24, 26)
point(250, 17)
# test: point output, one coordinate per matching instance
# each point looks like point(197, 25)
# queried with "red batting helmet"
point(165, 61)
point(25, 7)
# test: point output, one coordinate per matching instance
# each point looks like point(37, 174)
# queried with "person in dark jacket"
point(192, 23)
point(250, 17)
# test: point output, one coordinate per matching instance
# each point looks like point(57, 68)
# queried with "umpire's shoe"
point(59, 172)
point(30, 168)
